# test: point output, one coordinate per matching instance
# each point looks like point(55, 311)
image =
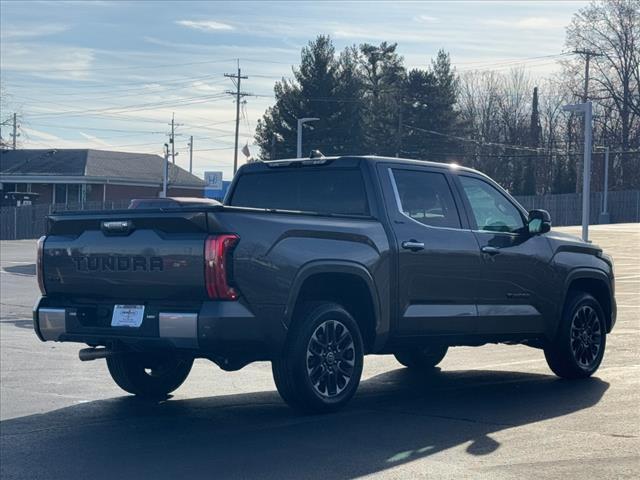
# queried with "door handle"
point(413, 245)
point(490, 250)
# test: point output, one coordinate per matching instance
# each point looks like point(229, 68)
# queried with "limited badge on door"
point(127, 316)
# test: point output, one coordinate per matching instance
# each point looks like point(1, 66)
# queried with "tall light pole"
point(301, 122)
point(165, 171)
point(604, 216)
point(586, 110)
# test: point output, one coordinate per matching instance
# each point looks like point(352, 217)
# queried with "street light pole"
point(586, 110)
point(165, 171)
point(604, 216)
point(301, 122)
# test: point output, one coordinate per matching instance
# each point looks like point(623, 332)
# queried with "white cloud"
point(205, 25)
point(206, 87)
point(32, 132)
point(95, 139)
point(31, 30)
point(528, 23)
point(426, 19)
point(46, 60)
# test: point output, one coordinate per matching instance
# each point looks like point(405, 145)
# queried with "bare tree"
point(611, 30)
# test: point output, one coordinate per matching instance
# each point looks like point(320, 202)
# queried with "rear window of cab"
point(325, 191)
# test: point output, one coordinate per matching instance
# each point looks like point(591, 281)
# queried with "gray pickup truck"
point(312, 264)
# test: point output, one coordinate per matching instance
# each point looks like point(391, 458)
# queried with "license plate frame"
point(127, 316)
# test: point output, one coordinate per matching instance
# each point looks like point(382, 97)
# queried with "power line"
point(136, 107)
point(78, 127)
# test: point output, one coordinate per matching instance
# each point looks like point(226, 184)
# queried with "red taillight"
point(216, 255)
point(39, 266)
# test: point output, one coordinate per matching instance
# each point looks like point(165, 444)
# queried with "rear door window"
point(426, 198)
point(339, 191)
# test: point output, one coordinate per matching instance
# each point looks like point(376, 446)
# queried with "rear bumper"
point(224, 329)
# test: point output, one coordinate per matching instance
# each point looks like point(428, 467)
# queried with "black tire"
point(149, 376)
point(422, 358)
point(320, 367)
point(580, 341)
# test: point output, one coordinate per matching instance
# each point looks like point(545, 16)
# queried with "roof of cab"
point(349, 160)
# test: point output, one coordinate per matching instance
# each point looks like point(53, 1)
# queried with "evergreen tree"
point(383, 78)
point(348, 105)
point(430, 104)
point(310, 94)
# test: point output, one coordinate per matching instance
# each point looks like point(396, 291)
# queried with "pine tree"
point(349, 118)
point(384, 75)
point(310, 94)
point(430, 104)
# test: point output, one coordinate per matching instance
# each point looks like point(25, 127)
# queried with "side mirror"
point(539, 222)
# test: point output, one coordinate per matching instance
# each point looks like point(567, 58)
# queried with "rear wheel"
point(149, 376)
point(422, 358)
point(320, 368)
point(578, 348)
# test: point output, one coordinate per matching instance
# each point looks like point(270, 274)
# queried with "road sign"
point(213, 180)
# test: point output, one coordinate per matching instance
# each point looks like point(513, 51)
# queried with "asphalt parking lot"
point(492, 411)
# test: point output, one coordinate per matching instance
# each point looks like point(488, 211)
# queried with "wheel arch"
point(596, 283)
point(347, 283)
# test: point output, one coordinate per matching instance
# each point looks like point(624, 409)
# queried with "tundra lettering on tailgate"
point(117, 263)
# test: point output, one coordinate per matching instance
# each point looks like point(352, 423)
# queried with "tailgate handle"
point(117, 227)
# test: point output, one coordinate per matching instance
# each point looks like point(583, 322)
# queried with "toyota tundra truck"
point(311, 264)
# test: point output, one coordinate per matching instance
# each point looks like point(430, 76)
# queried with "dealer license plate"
point(127, 316)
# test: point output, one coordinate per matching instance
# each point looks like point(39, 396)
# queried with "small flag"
point(245, 150)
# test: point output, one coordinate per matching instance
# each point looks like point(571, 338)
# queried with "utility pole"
point(173, 140)
point(236, 78)
point(191, 154)
point(172, 137)
point(15, 130)
point(585, 97)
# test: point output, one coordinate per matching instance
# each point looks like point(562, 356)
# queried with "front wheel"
point(149, 376)
point(320, 368)
point(578, 348)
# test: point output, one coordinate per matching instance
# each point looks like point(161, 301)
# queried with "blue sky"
point(109, 74)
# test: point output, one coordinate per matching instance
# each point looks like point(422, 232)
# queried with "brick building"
point(84, 176)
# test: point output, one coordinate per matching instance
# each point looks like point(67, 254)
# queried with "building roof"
point(92, 166)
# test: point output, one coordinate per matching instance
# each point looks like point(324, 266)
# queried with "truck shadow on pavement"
point(26, 269)
point(396, 417)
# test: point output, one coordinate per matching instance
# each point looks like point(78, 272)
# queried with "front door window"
point(492, 211)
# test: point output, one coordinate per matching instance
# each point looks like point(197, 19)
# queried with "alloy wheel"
point(330, 358)
point(586, 336)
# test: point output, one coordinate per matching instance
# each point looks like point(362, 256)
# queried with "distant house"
point(82, 176)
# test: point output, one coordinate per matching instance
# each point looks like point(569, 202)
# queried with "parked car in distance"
point(312, 264)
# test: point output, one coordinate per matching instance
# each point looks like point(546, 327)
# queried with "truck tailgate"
point(126, 255)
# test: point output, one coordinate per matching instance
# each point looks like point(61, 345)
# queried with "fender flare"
point(345, 267)
point(585, 273)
